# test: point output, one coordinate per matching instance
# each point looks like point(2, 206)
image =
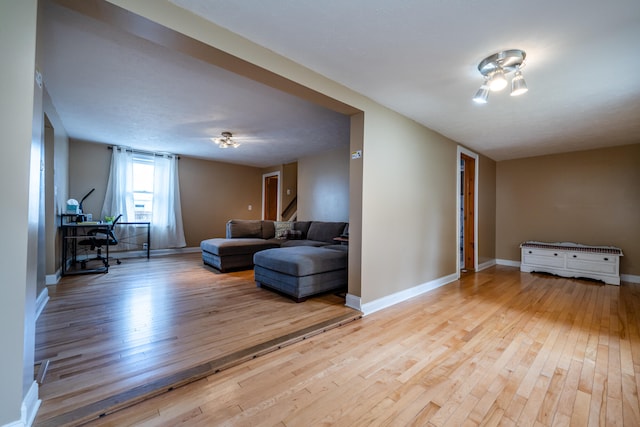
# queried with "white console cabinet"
point(572, 260)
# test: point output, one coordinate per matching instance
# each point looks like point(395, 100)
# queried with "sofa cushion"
point(222, 247)
point(244, 228)
point(281, 228)
point(325, 231)
point(302, 226)
point(268, 229)
point(301, 260)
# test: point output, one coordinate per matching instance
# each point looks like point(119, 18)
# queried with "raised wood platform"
point(151, 325)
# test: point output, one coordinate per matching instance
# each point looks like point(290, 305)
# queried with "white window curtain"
point(166, 222)
point(119, 197)
point(166, 219)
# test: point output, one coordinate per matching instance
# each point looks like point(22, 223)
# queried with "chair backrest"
point(112, 239)
point(113, 224)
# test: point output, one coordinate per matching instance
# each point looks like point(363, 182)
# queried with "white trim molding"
point(630, 278)
point(486, 265)
point(398, 297)
point(461, 150)
point(41, 301)
point(353, 301)
point(508, 262)
point(53, 279)
point(29, 408)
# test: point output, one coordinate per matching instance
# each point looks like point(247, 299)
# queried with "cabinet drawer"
point(598, 263)
point(543, 258)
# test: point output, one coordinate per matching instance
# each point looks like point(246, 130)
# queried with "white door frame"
point(265, 175)
point(462, 150)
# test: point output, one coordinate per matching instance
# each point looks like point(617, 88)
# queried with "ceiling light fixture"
point(225, 141)
point(494, 69)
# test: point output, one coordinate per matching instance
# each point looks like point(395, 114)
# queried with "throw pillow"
point(281, 228)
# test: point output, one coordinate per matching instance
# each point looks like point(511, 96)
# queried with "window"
point(143, 187)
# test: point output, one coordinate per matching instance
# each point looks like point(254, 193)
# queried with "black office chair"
point(97, 238)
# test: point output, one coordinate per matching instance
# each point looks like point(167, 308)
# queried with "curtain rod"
point(150, 153)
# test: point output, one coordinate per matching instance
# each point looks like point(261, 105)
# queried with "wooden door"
point(271, 197)
point(468, 211)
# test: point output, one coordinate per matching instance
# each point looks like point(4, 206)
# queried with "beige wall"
point(589, 197)
point(211, 192)
point(214, 192)
point(323, 186)
point(408, 205)
point(18, 20)
point(88, 168)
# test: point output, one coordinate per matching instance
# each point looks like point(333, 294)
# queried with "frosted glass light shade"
point(498, 81)
point(518, 85)
point(482, 95)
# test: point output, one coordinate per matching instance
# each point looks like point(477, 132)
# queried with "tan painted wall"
point(214, 192)
point(355, 205)
point(408, 204)
point(323, 186)
point(211, 192)
point(486, 210)
point(589, 197)
point(88, 168)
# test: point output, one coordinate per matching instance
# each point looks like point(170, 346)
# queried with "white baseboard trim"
point(630, 278)
point(41, 301)
point(398, 297)
point(28, 409)
point(508, 262)
point(53, 279)
point(486, 265)
point(353, 301)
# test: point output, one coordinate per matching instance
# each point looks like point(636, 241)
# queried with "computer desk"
point(72, 232)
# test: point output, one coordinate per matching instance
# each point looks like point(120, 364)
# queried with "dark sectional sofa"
point(297, 258)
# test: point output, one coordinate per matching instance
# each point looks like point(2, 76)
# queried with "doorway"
point(271, 196)
point(467, 202)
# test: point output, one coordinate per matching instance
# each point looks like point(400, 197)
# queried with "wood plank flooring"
point(499, 347)
point(150, 325)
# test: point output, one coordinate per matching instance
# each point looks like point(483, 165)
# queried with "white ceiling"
point(417, 57)
point(114, 88)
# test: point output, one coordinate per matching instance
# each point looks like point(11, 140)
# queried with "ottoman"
point(302, 271)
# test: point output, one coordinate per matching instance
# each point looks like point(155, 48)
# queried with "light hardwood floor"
point(498, 347)
point(150, 325)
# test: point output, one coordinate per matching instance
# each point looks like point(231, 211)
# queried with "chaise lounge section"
point(244, 238)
